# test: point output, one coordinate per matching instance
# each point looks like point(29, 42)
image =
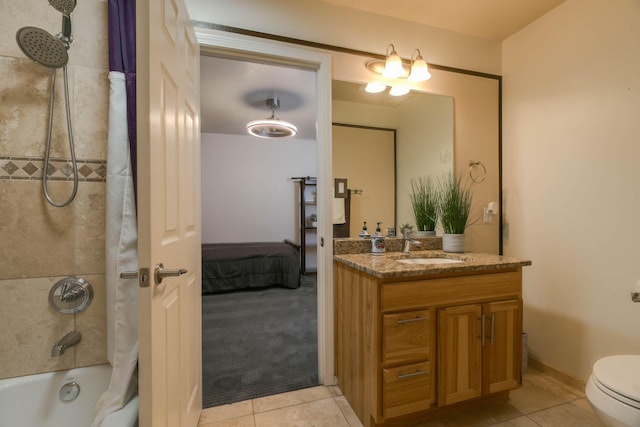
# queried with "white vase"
point(453, 242)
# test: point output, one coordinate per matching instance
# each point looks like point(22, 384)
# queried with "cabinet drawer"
point(406, 389)
point(406, 337)
point(417, 294)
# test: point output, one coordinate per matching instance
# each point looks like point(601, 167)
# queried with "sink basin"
point(428, 261)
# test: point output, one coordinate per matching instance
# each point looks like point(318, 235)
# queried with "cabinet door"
point(406, 337)
point(406, 389)
point(459, 353)
point(503, 346)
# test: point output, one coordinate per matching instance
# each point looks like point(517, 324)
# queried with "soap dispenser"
point(364, 234)
point(378, 230)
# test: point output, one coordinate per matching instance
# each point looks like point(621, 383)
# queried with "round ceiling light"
point(272, 127)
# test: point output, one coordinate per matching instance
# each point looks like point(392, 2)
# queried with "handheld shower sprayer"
point(51, 51)
point(65, 7)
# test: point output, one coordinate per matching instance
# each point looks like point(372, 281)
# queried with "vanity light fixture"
point(272, 127)
point(393, 67)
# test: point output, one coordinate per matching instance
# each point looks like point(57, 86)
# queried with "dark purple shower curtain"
point(122, 58)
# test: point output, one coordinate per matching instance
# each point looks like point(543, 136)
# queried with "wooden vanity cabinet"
point(406, 348)
point(479, 350)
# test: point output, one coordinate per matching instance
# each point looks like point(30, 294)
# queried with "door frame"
point(240, 46)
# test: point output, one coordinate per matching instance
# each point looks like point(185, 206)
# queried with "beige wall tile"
point(89, 226)
point(37, 239)
point(30, 327)
point(92, 324)
point(91, 112)
point(25, 13)
point(24, 109)
point(90, 32)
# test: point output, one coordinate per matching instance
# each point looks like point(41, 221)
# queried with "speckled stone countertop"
point(387, 266)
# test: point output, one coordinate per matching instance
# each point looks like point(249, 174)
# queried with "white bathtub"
point(34, 400)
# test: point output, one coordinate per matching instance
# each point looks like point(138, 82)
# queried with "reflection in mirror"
point(423, 126)
point(365, 156)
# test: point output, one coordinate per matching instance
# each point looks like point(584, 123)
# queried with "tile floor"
point(542, 401)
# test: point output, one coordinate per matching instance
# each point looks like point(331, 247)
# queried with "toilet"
point(613, 390)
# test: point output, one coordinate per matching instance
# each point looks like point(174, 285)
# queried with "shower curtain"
point(121, 243)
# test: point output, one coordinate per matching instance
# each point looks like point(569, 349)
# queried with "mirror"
point(423, 127)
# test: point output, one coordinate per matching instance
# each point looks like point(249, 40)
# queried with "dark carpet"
point(259, 342)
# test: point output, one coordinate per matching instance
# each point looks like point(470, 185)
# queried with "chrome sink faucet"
point(407, 241)
point(69, 340)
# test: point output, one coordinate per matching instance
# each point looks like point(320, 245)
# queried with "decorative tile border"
point(31, 168)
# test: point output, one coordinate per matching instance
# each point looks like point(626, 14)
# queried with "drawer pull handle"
point(412, 374)
point(415, 319)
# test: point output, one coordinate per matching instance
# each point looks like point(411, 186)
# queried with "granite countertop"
point(387, 265)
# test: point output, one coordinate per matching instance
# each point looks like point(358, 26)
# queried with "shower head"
point(63, 6)
point(41, 47)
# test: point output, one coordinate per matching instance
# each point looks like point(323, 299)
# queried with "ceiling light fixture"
point(272, 127)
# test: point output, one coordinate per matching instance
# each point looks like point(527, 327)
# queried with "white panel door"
point(169, 214)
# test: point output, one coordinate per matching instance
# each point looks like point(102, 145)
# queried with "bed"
point(233, 266)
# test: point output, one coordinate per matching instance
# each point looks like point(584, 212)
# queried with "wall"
point(42, 244)
point(247, 191)
point(326, 23)
point(571, 179)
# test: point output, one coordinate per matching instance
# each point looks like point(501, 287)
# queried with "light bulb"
point(399, 90)
point(393, 66)
point(375, 87)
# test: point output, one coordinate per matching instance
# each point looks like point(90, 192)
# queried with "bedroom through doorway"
point(260, 316)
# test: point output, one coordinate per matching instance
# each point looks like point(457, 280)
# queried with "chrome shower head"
point(41, 47)
point(63, 6)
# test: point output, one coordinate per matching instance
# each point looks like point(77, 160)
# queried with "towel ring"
point(479, 179)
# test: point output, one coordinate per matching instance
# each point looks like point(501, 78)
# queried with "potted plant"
point(454, 208)
point(424, 203)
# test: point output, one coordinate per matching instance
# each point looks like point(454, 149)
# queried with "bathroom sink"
point(428, 261)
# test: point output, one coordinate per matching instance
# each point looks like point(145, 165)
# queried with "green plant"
point(424, 202)
point(454, 204)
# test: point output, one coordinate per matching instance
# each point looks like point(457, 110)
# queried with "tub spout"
point(69, 340)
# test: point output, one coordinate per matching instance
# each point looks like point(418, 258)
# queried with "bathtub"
point(35, 400)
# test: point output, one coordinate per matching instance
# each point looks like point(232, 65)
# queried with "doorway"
point(251, 51)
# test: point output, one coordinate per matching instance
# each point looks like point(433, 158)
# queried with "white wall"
point(571, 147)
point(247, 191)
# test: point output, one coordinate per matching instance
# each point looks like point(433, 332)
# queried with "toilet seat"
point(619, 378)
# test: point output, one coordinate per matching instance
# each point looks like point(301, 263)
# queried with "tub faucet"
point(406, 243)
point(69, 340)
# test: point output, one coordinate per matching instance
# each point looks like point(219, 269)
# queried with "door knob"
point(160, 273)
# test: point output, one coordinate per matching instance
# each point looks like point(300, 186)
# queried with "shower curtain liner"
point(121, 243)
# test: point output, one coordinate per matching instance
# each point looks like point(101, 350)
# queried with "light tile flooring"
point(542, 401)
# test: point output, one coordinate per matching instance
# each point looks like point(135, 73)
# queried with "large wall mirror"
point(472, 123)
point(382, 142)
